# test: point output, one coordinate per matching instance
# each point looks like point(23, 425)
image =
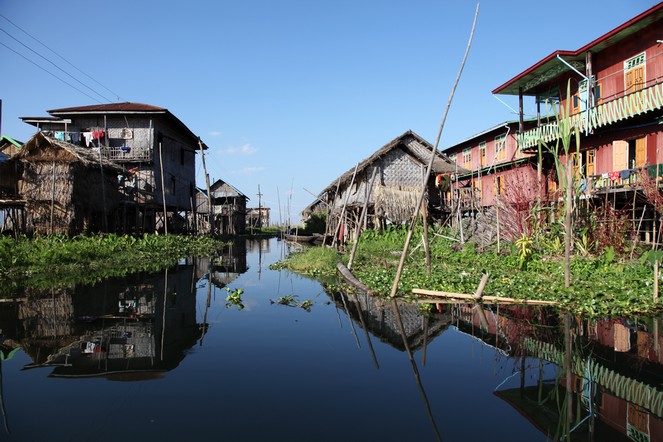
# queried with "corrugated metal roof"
point(550, 67)
point(110, 107)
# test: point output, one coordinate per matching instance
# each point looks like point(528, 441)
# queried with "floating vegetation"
point(60, 261)
point(293, 301)
point(234, 298)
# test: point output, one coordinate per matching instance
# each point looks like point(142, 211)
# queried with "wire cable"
point(62, 58)
point(50, 73)
point(58, 67)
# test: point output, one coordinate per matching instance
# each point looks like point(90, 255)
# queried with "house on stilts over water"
point(228, 209)
point(153, 151)
point(388, 184)
point(66, 189)
point(611, 92)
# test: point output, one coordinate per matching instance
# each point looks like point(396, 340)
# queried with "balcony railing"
point(622, 179)
point(605, 114)
point(127, 154)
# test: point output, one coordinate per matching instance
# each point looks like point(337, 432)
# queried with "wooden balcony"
point(605, 114)
point(628, 179)
point(126, 154)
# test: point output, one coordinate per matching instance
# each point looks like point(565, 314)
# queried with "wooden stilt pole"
point(163, 192)
point(342, 215)
point(209, 192)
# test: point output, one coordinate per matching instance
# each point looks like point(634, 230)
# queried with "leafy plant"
point(234, 298)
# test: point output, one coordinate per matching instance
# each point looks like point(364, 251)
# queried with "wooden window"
point(591, 161)
point(454, 157)
point(500, 147)
point(482, 153)
point(634, 73)
point(467, 158)
point(582, 100)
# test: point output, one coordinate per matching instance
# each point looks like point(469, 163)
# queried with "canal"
point(227, 349)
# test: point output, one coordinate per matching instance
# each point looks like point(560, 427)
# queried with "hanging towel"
point(75, 137)
point(59, 136)
point(624, 174)
point(88, 138)
point(604, 176)
point(614, 175)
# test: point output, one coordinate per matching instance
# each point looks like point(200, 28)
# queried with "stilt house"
point(611, 92)
point(67, 189)
point(228, 212)
point(149, 142)
point(389, 182)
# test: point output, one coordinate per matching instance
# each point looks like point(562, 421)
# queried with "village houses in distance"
point(130, 167)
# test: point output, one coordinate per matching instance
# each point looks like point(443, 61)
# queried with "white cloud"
point(251, 170)
point(215, 133)
point(245, 149)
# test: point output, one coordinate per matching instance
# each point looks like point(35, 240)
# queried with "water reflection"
point(127, 329)
point(392, 374)
point(578, 379)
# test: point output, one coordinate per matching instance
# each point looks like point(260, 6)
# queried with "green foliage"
point(58, 260)
point(315, 261)
point(316, 223)
point(234, 298)
point(293, 301)
point(524, 245)
point(603, 285)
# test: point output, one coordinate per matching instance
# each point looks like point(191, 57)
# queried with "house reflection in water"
point(614, 370)
point(225, 267)
point(378, 317)
point(131, 328)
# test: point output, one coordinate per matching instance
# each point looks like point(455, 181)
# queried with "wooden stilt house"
point(227, 214)
point(67, 189)
point(388, 183)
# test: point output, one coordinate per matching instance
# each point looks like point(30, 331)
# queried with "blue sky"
point(290, 94)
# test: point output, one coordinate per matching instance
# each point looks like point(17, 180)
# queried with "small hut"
point(228, 213)
point(68, 189)
point(399, 169)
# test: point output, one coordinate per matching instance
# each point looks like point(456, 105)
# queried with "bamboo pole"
point(347, 197)
point(163, 192)
point(361, 219)
point(209, 192)
point(52, 194)
point(399, 271)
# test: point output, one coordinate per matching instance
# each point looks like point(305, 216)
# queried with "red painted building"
point(611, 92)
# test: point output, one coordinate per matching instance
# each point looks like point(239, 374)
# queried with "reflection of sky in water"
point(276, 372)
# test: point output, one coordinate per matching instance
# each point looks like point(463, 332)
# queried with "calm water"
point(165, 357)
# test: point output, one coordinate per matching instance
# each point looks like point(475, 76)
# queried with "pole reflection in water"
point(415, 370)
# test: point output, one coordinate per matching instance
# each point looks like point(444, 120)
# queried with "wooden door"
point(640, 152)
point(619, 155)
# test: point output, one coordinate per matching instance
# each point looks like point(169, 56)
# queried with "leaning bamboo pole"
point(362, 218)
point(163, 192)
point(347, 197)
point(424, 185)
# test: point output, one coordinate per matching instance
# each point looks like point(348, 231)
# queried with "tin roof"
point(550, 66)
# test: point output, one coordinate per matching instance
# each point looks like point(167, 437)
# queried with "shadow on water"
point(571, 378)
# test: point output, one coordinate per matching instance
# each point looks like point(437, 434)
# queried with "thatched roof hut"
point(68, 189)
point(400, 166)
